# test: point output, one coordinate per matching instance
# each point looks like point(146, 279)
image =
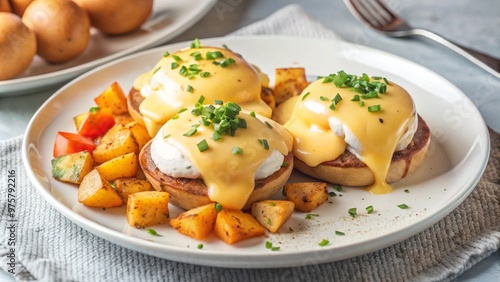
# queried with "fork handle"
point(486, 62)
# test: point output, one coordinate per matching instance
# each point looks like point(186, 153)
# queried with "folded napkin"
point(49, 247)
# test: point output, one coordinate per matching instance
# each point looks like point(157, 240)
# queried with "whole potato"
point(17, 46)
point(5, 6)
point(117, 16)
point(19, 6)
point(62, 29)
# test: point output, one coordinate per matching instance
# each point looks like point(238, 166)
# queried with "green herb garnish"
point(196, 43)
point(339, 233)
point(369, 209)
point(352, 212)
point(264, 143)
point(305, 95)
point(237, 151)
point(403, 206)
point(374, 108)
point(152, 232)
point(324, 242)
point(218, 207)
point(311, 215)
point(200, 246)
point(202, 145)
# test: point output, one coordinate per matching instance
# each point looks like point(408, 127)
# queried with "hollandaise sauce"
point(178, 79)
point(369, 114)
point(226, 146)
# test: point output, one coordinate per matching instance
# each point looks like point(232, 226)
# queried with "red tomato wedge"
point(68, 143)
point(97, 122)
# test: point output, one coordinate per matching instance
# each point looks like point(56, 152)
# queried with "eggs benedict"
point(178, 79)
point(216, 153)
point(356, 131)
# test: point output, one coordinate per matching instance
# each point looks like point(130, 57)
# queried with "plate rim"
point(251, 260)
point(14, 86)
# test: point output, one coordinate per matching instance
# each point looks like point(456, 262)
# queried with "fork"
point(379, 17)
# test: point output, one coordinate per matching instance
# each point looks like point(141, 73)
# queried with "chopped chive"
point(189, 88)
point(323, 98)
point(191, 132)
point(374, 108)
point(218, 207)
point(152, 232)
point(264, 143)
point(214, 55)
point(201, 99)
point(305, 95)
point(273, 204)
point(369, 209)
point(218, 102)
point(182, 110)
point(156, 70)
point(269, 245)
point(311, 215)
point(370, 95)
point(337, 187)
point(93, 110)
point(268, 124)
point(361, 103)
point(200, 246)
point(204, 74)
point(216, 136)
point(175, 116)
point(268, 221)
point(275, 249)
point(386, 81)
point(196, 43)
point(332, 194)
point(252, 114)
point(324, 242)
point(196, 55)
point(403, 206)
point(237, 151)
point(332, 107)
point(166, 136)
point(285, 164)
point(202, 145)
point(166, 54)
point(177, 58)
point(183, 71)
point(225, 47)
point(339, 233)
point(174, 65)
point(377, 77)
point(337, 99)
point(352, 212)
point(355, 98)
point(407, 191)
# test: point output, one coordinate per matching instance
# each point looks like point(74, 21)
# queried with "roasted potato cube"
point(272, 214)
point(306, 195)
point(113, 98)
point(72, 167)
point(124, 166)
point(289, 82)
point(196, 223)
point(147, 208)
point(233, 226)
point(123, 118)
point(116, 142)
point(139, 132)
point(97, 192)
point(127, 186)
point(267, 96)
point(79, 119)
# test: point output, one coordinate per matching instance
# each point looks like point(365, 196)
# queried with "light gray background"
point(475, 23)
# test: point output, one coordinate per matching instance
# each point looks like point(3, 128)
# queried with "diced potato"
point(196, 223)
point(116, 142)
point(233, 226)
point(267, 96)
point(72, 167)
point(306, 195)
point(147, 208)
point(124, 166)
point(113, 98)
point(123, 118)
point(97, 192)
point(289, 82)
point(127, 186)
point(79, 119)
point(272, 214)
point(139, 132)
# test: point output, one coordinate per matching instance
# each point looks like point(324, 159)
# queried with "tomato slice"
point(98, 121)
point(68, 143)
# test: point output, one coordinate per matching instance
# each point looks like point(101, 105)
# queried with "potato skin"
point(117, 16)
point(62, 29)
point(17, 46)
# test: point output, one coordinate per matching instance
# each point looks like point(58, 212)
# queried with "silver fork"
point(378, 16)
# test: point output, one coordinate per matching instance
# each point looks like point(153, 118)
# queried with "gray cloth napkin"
point(49, 247)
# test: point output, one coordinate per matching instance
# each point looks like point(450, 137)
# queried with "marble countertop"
point(464, 21)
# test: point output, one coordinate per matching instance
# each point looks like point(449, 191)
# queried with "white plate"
point(457, 157)
point(168, 19)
